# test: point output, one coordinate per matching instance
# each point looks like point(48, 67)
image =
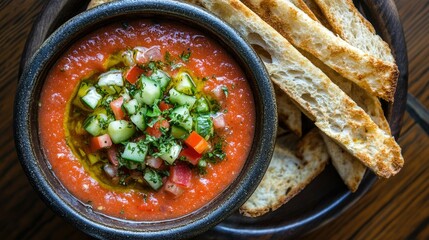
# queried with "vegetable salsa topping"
point(146, 120)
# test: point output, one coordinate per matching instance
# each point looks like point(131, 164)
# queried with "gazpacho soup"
point(146, 120)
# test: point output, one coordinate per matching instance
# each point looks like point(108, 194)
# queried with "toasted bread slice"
point(372, 74)
point(322, 101)
point(350, 169)
point(351, 26)
point(287, 112)
point(287, 174)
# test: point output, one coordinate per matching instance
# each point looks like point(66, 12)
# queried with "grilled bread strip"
point(322, 101)
point(348, 23)
point(372, 74)
point(287, 174)
point(351, 26)
point(350, 169)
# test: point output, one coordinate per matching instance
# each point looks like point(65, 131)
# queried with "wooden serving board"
point(326, 197)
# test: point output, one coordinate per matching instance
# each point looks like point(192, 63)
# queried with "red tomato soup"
point(185, 105)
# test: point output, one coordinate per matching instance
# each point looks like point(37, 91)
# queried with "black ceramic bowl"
point(62, 202)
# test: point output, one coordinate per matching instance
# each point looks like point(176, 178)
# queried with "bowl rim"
point(25, 106)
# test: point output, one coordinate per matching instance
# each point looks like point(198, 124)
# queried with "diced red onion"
point(173, 188)
point(153, 162)
point(139, 55)
point(153, 54)
point(218, 93)
point(110, 170)
point(219, 121)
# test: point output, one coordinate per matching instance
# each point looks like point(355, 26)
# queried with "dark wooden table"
point(393, 209)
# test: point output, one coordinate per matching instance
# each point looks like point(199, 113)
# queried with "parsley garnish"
point(185, 55)
point(216, 155)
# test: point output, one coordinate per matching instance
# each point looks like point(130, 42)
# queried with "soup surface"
point(146, 120)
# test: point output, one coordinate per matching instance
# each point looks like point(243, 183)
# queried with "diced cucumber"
point(182, 117)
point(82, 91)
point(185, 85)
point(120, 130)
point(91, 98)
point(150, 91)
point(204, 126)
point(111, 78)
point(126, 95)
point(92, 126)
point(161, 77)
point(153, 178)
point(181, 99)
point(131, 106)
point(202, 106)
point(202, 163)
point(135, 152)
point(139, 119)
point(172, 153)
point(128, 58)
point(179, 132)
point(111, 82)
point(96, 124)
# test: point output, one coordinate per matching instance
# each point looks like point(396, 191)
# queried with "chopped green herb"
point(185, 56)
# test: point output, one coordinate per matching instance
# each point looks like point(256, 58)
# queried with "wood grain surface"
point(397, 208)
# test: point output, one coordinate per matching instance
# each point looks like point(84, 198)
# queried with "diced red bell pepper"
point(155, 130)
point(173, 188)
point(100, 142)
point(112, 155)
point(191, 155)
point(198, 143)
point(163, 106)
point(181, 174)
point(154, 162)
point(133, 74)
point(116, 106)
